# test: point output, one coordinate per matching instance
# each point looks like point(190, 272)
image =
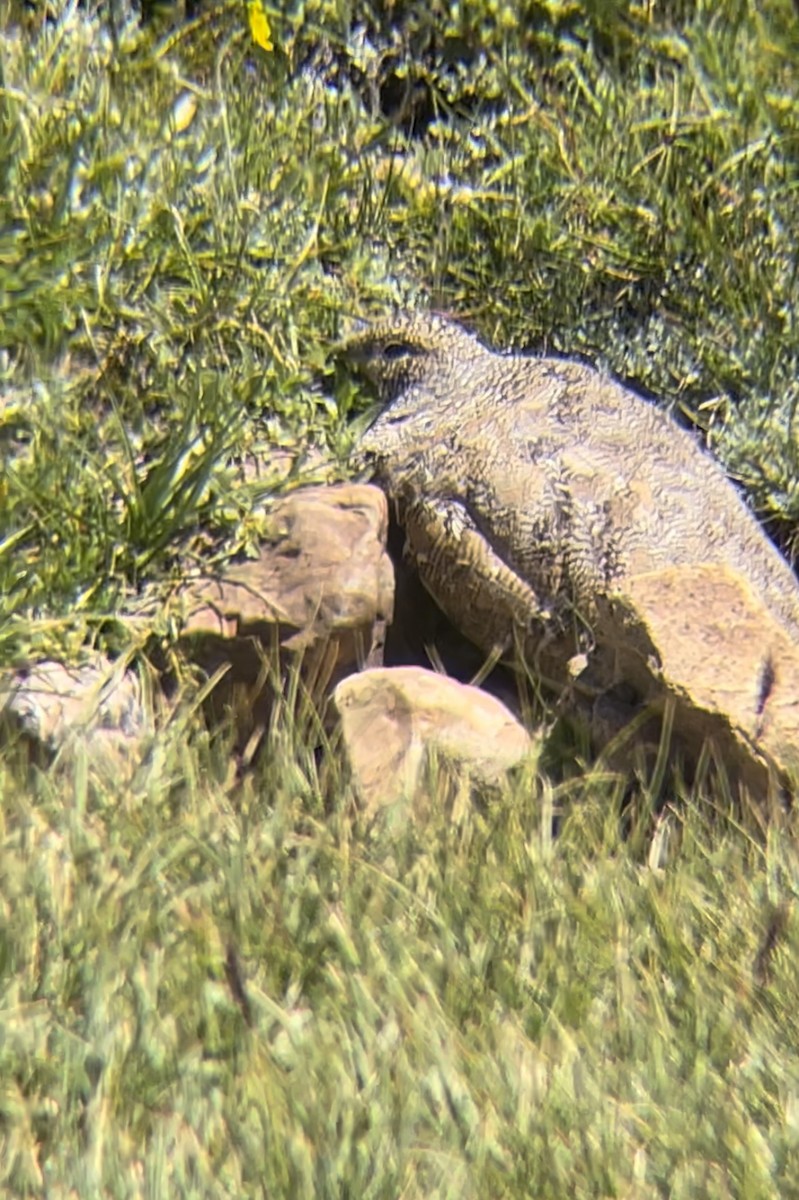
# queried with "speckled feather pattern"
point(531, 486)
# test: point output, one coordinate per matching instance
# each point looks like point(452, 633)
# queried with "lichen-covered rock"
point(393, 719)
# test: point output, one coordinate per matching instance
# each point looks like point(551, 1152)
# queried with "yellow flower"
point(260, 28)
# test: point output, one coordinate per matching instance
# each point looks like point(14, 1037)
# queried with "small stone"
point(392, 718)
point(96, 703)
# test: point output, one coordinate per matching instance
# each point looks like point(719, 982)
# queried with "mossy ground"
point(216, 987)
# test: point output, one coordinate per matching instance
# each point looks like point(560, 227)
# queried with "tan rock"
point(701, 637)
point(392, 719)
point(320, 592)
point(98, 704)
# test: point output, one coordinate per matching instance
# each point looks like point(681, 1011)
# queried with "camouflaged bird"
point(531, 488)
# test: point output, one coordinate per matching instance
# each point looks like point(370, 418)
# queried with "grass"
point(221, 986)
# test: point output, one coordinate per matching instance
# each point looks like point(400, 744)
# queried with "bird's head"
point(399, 352)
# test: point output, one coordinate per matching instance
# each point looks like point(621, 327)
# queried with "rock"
point(320, 592)
point(700, 637)
point(393, 718)
point(99, 704)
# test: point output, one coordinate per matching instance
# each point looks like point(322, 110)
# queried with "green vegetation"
point(217, 987)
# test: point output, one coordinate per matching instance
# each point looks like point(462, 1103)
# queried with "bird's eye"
point(393, 350)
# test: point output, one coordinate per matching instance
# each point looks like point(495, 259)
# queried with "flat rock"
point(701, 637)
point(393, 718)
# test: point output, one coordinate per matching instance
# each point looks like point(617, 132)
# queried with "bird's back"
point(575, 481)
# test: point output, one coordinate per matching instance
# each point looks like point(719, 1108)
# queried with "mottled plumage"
point(530, 488)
